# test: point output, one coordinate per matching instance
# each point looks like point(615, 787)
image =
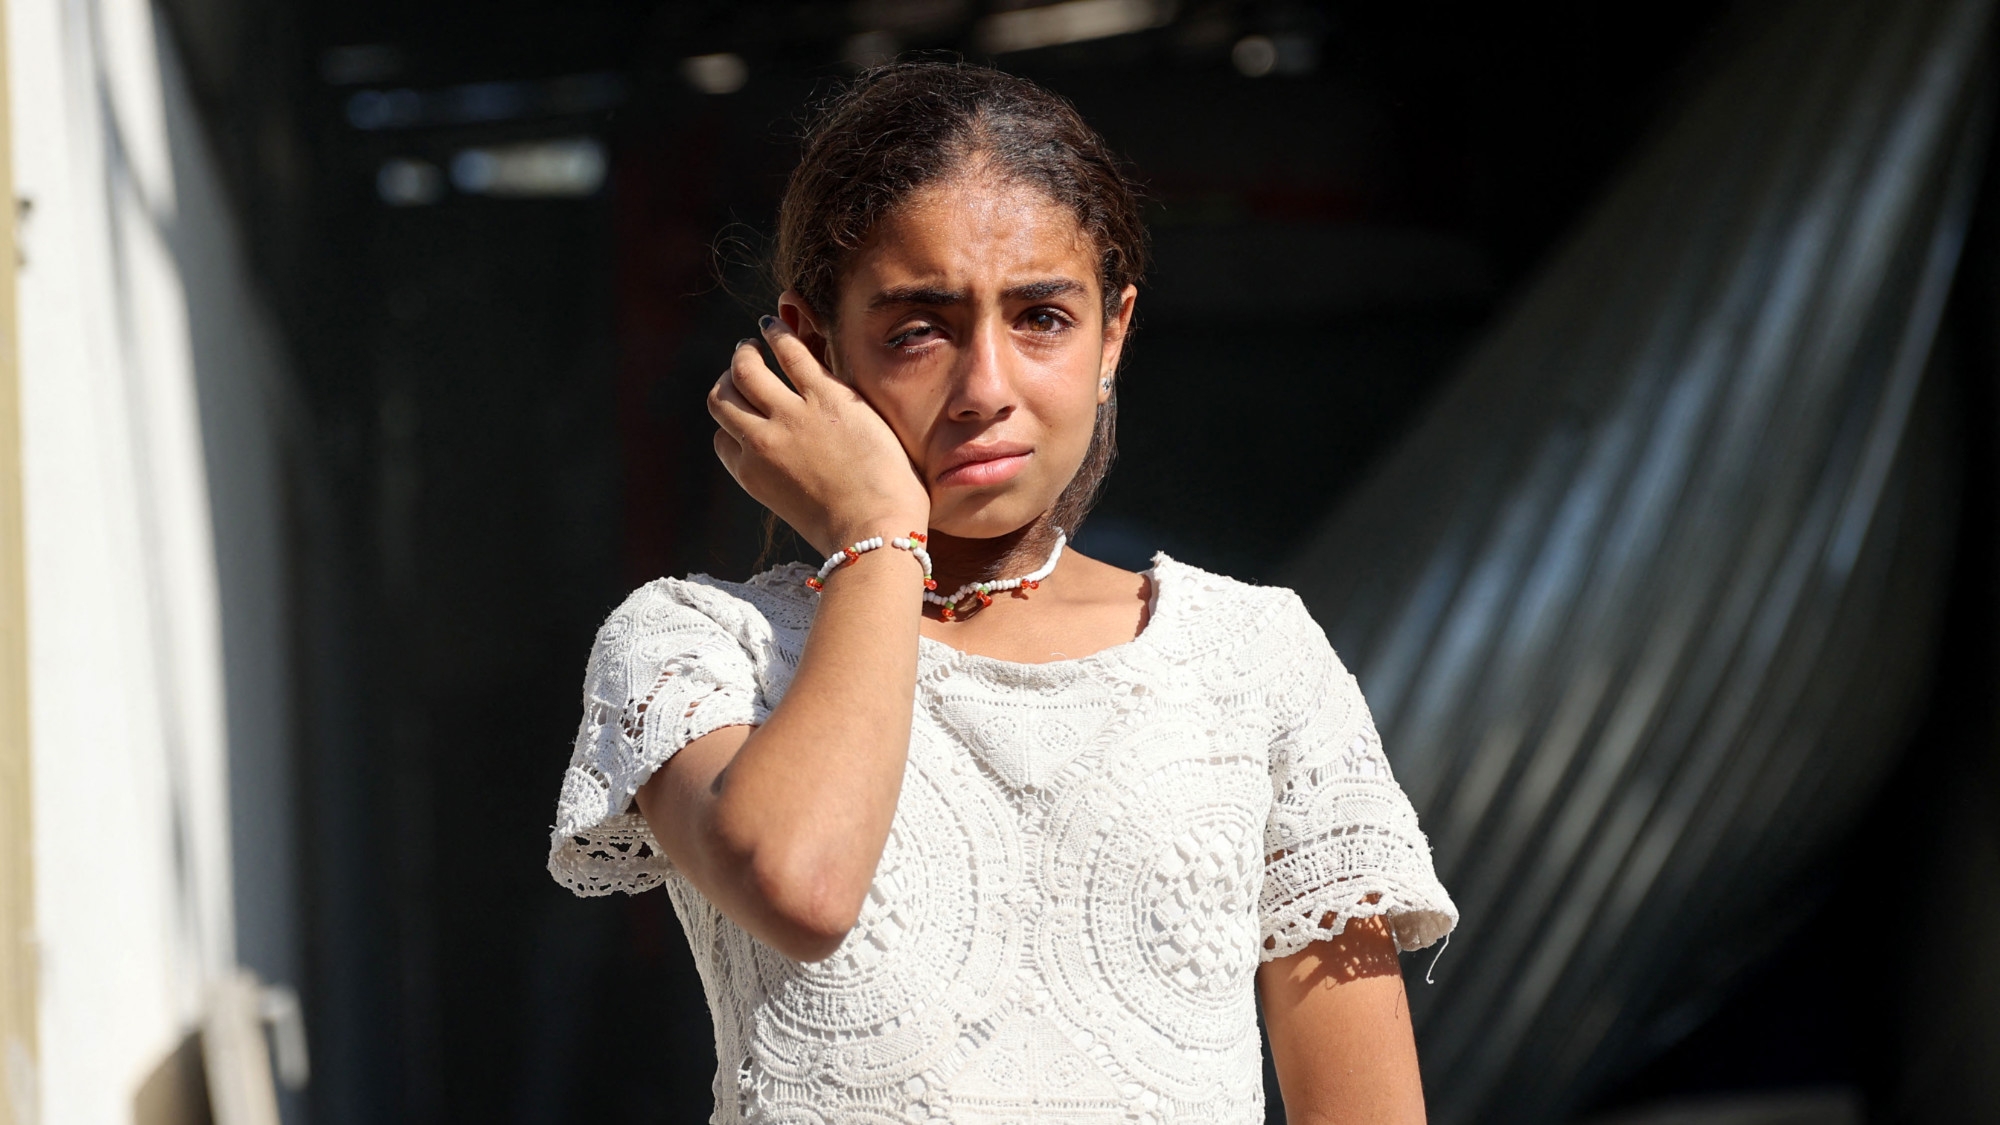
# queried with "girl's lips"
point(993, 470)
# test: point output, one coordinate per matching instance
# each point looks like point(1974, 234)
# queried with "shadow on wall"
point(176, 1092)
point(242, 390)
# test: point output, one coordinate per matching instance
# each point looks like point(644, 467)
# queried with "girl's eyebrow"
point(937, 296)
point(916, 295)
point(1043, 290)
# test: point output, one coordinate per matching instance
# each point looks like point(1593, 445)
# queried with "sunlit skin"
point(973, 322)
point(1339, 1025)
point(955, 388)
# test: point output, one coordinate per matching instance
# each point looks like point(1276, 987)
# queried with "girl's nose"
point(985, 383)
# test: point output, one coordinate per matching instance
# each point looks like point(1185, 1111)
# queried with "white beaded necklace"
point(915, 543)
point(984, 591)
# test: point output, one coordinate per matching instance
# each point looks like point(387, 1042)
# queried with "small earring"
point(1104, 384)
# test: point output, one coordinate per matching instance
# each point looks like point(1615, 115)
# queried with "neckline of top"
point(1157, 606)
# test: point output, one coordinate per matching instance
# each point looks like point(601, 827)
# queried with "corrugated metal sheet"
point(1646, 602)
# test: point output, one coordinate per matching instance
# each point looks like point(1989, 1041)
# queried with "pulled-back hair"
point(898, 128)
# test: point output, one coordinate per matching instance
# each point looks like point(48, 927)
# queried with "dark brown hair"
point(898, 128)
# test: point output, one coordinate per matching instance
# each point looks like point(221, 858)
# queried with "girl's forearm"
point(802, 811)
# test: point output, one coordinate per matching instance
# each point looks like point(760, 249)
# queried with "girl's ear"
point(800, 318)
point(1116, 328)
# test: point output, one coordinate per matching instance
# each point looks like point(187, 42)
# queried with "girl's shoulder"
point(1206, 611)
point(753, 612)
point(1256, 645)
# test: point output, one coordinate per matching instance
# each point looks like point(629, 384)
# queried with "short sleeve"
point(667, 667)
point(1342, 839)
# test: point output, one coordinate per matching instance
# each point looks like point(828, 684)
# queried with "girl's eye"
point(915, 334)
point(1046, 320)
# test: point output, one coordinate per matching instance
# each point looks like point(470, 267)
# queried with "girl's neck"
point(956, 561)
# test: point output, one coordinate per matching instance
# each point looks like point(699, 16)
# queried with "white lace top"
point(1088, 860)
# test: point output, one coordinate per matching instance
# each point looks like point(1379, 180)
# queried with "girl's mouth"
point(982, 469)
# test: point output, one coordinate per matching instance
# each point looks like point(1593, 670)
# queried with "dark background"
point(501, 432)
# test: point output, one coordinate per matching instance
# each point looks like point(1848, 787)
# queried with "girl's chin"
point(989, 522)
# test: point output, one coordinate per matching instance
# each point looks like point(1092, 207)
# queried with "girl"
point(964, 826)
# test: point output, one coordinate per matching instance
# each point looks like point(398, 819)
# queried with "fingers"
point(800, 365)
point(750, 394)
point(761, 387)
point(731, 409)
point(729, 451)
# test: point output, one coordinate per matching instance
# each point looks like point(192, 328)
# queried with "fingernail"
point(746, 340)
point(766, 321)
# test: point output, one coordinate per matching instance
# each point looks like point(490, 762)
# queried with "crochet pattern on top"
point(1088, 861)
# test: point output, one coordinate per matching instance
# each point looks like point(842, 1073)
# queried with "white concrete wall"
point(151, 422)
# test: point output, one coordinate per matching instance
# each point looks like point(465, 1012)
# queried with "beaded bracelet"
point(913, 543)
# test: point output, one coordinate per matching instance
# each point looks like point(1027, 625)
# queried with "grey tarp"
point(1644, 604)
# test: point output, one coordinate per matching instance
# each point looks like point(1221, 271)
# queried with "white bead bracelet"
point(913, 543)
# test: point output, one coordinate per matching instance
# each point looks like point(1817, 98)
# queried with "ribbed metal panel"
point(1645, 603)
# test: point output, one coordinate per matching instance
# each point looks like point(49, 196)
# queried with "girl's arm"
point(781, 826)
point(1340, 1031)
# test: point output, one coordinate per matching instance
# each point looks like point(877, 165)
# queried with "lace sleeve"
point(662, 674)
point(1342, 840)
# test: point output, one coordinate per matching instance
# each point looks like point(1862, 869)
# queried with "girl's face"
point(973, 321)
